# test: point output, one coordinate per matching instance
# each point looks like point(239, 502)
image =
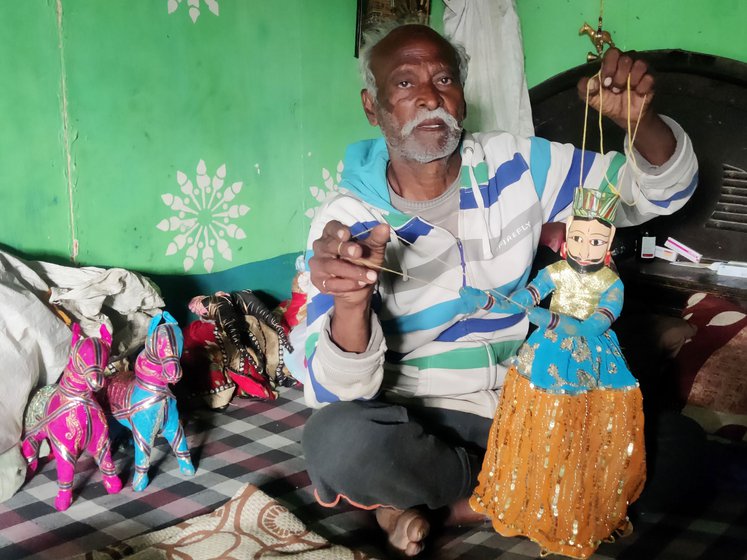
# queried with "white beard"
point(405, 144)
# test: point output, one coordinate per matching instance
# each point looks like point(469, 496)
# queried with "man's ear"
point(369, 107)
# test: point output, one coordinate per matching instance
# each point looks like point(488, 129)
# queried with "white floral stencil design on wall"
point(331, 186)
point(203, 218)
point(194, 7)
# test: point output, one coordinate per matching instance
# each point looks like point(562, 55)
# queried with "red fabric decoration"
point(204, 383)
point(297, 303)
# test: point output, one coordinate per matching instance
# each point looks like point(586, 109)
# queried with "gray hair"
point(374, 35)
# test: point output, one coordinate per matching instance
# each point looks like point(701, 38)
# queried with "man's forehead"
point(412, 44)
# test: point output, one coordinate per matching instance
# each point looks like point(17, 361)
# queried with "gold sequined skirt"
point(562, 469)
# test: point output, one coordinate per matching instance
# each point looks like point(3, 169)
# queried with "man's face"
point(587, 242)
point(420, 102)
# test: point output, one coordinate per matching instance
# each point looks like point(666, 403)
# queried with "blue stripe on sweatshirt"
point(539, 163)
point(428, 318)
point(318, 306)
point(565, 196)
point(361, 230)
point(413, 229)
point(677, 196)
point(472, 326)
point(506, 175)
point(322, 393)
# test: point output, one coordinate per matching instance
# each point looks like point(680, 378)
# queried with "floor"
point(258, 442)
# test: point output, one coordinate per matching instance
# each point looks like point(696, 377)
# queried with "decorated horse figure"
point(599, 37)
point(67, 415)
point(142, 401)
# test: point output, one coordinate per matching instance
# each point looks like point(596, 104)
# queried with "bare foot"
point(406, 529)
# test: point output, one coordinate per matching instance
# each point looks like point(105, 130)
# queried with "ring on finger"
point(339, 248)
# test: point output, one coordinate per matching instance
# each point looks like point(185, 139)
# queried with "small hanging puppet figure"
point(142, 401)
point(565, 455)
point(68, 416)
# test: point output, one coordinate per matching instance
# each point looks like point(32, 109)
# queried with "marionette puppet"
point(565, 455)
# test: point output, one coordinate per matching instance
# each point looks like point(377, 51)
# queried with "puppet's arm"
point(610, 305)
point(518, 302)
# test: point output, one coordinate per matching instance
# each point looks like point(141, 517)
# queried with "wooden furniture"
point(664, 287)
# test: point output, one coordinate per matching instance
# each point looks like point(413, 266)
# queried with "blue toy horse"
point(142, 401)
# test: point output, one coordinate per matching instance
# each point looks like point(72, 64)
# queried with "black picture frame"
point(372, 12)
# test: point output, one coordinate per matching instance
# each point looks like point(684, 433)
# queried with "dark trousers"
point(374, 453)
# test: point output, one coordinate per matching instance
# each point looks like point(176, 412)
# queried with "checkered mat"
point(258, 443)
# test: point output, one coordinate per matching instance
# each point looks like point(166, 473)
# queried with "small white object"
point(731, 268)
point(648, 247)
point(664, 253)
point(682, 249)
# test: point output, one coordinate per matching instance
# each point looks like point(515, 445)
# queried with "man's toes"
point(416, 526)
point(413, 548)
point(410, 531)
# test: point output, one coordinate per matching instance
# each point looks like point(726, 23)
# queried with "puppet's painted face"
point(587, 243)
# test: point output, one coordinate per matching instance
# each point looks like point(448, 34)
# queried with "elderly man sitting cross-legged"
point(405, 376)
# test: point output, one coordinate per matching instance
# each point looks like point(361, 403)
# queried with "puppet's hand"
point(474, 299)
point(546, 319)
point(595, 325)
point(525, 299)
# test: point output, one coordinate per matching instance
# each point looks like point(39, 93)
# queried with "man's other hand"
point(613, 94)
point(654, 141)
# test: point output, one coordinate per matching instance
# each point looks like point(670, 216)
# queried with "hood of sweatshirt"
point(364, 173)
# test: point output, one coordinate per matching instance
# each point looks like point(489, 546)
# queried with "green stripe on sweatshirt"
point(467, 358)
point(311, 344)
point(612, 174)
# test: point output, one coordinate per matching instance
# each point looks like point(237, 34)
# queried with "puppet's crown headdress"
point(591, 203)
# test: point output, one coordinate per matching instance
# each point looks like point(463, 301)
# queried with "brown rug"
point(249, 525)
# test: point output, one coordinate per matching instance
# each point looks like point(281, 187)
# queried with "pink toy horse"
point(73, 421)
point(142, 401)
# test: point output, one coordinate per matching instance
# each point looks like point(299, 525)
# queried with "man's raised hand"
point(616, 67)
point(346, 267)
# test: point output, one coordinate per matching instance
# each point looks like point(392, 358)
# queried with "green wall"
point(552, 44)
point(111, 110)
point(122, 121)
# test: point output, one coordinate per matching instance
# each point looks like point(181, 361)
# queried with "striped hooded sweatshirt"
point(425, 347)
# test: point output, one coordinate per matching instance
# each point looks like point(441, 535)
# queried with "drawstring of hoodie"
point(469, 153)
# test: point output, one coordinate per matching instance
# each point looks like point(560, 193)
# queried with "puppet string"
point(369, 264)
point(631, 135)
point(402, 239)
point(631, 141)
